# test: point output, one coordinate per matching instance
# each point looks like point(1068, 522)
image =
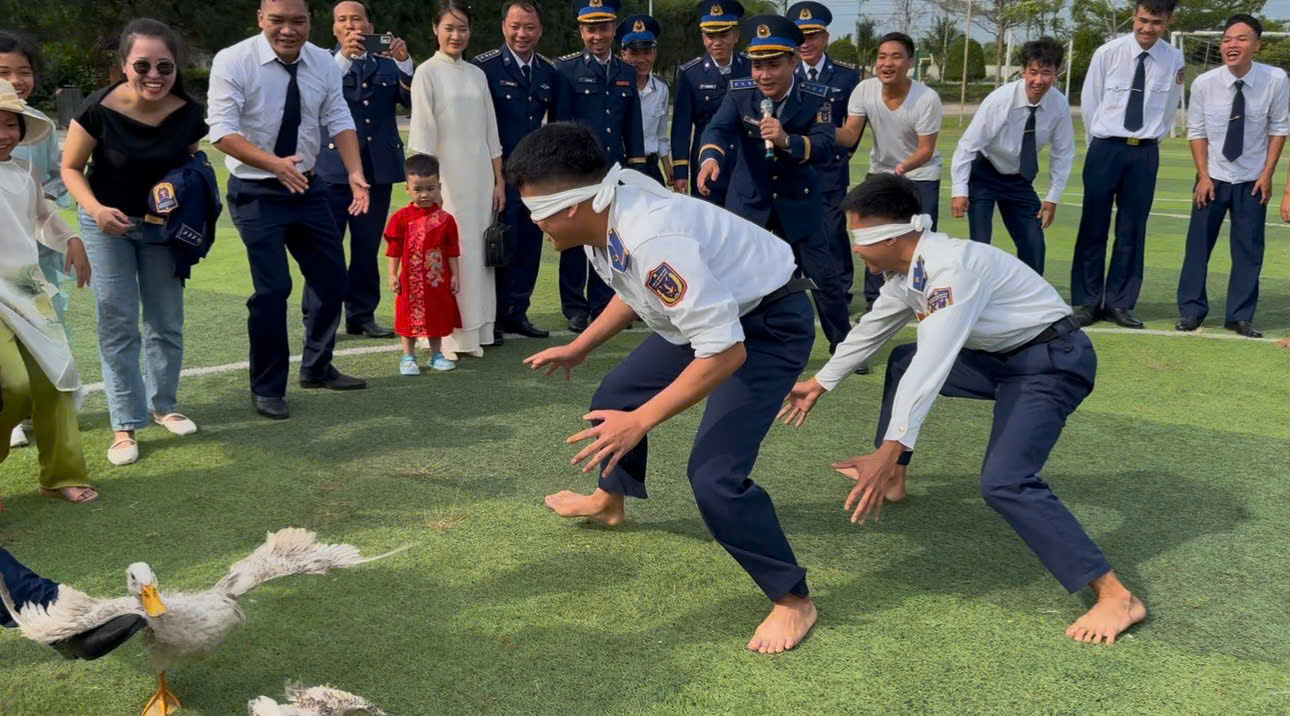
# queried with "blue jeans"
point(129, 272)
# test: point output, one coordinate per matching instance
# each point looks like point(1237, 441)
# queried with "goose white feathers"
point(315, 701)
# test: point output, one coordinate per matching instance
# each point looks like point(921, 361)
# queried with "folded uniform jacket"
point(183, 209)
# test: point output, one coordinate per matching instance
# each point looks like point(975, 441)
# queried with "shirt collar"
point(1157, 50)
point(650, 87)
point(709, 62)
point(1249, 79)
point(516, 58)
point(1020, 99)
point(819, 68)
point(265, 54)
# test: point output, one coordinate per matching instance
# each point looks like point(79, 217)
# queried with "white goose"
point(316, 701)
point(184, 627)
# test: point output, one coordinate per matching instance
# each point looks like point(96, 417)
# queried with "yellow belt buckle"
point(1132, 141)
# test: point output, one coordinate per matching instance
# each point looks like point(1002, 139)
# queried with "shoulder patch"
point(544, 59)
point(667, 284)
point(743, 84)
point(692, 63)
point(920, 275)
point(486, 56)
point(570, 56)
point(847, 65)
point(942, 297)
point(816, 89)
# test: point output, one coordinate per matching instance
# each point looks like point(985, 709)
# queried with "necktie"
point(815, 74)
point(527, 74)
point(1133, 113)
point(1234, 143)
point(289, 132)
point(1029, 155)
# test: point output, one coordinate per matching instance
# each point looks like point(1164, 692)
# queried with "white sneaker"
point(18, 438)
point(124, 452)
point(408, 366)
point(176, 423)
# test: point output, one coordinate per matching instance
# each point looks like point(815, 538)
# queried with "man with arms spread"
point(730, 325)
point(989, 328)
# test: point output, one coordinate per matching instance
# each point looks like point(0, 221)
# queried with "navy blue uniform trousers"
point(1034, 390)
point(1018, 205)
point(25, 586)
point(515, 282)
point(1247, 235)
point(582, 293)
point(738, 513)
point(1114, 172)
point(816, 258)
point(835, 228)
point(929, 194)
point(365, 232)
point(272, 221)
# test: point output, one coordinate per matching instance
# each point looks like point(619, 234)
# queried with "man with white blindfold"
point(730, 324)
point(989, 328)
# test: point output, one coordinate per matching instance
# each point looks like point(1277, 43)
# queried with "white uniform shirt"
point(1109, 83)
point(1267, 106)
point(965, 294)
point(248, 92)
point(688, 268)
point(996, 132)
point(896, 133)
point(654, 116)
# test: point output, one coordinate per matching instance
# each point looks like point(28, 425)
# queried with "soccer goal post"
point(1200, 50)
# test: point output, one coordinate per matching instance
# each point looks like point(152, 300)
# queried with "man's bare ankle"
point(1108, 586)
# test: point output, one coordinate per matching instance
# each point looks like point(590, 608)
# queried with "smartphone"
point(378, 44)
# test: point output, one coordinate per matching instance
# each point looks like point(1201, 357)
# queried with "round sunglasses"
point(165, 68)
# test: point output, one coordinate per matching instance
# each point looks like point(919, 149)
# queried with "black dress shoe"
point(102, 639)
point(526, 329)
point(1123, 317)
point(578, 324)
point(371, 329)
point(1243, 328)
point(334, 380)
point(271, 408)
point(498, 338)
point(1187, 324)
point(1086, 316)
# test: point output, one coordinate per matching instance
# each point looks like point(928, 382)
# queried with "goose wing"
point(71, 613)
point(290, 551)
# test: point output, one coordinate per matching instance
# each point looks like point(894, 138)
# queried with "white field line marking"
point(392, 347)
point(1177, 216)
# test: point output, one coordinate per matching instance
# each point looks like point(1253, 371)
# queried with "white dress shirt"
point(689, 269)
point(1267, 106)
point(654, 115)
point(248, 91)
point(996, 132)
point(965, 294)
point(1109, 83)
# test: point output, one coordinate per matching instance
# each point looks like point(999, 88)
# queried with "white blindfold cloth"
point(875, 234)
point(602, 194)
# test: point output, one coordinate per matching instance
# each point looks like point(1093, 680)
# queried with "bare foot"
point(602, 507)
point(786, 625)
point(1116, 610)
point(895, 491)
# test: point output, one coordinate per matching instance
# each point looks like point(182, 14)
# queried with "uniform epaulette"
point(847, 65)
point(570, 56)
point(692, 63)
point(743, 83)
point(486, 56)
point(544, 59)
point(816, 89)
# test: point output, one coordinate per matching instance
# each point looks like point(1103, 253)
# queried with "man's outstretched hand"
point(615, 436)
point(566, 357)
point(801, 399)
point(873, 474)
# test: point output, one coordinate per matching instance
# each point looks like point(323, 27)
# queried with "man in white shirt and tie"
point(1237, 123)
point(997, 159)
point(638, 37)
point(989, 328)
point(270, 96)
point(1129, 100)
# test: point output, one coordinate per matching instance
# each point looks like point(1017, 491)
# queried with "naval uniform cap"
point(770, 36)
point(719, 15)
point(810, 16)
point(593, 11)
point(639, 31)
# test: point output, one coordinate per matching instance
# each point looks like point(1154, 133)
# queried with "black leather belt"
point(1131, 141)
point(651, 159)
point(794, 285)
point(1057, 329)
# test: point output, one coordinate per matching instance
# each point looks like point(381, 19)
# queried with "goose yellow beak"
point(152, 601)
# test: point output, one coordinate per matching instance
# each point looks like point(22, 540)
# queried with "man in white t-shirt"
point(906, 118)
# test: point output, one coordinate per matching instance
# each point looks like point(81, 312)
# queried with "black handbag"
point(497, 247)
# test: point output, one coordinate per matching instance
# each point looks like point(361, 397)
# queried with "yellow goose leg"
point(163, 702)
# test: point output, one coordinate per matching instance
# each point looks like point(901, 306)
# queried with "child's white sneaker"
point(440, 363)
point(408, 366)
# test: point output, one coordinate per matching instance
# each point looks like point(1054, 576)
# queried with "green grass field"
point(1176, 465)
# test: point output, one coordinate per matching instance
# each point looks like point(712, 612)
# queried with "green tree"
point(975, 66)
point(865, 40)
point(943, 32)
point(843, 49)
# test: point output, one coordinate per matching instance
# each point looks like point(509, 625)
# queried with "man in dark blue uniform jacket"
point(700, 86)
point(774, 182)
point(374, 86)
point(598, 90)
point(523, 86)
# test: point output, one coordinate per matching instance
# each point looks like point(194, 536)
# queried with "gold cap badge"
point(639, 26)
point(763, 31)
point(805, 15)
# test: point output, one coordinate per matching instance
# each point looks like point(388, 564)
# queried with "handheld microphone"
point(768, 111)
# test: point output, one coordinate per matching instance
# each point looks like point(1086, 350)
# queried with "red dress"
point(424, 240)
